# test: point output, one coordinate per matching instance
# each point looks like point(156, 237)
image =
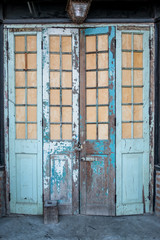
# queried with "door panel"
point(61, 117)
point(97, 115)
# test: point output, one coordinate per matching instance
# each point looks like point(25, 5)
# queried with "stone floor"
point(20, 227)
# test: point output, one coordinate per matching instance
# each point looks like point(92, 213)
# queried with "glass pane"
point(20, 131)
point(32, 79)
point(66, 44)
point(31, 43)
point(32, 96)
point(19, 43)
point(138, 130)
point(91, 114)
point(126, 130)
point(31, 61)
point(66, 114)
point(54, 114)
point(126, 95)
point(91, 131)
point(54, 43)
point(138, 95)
point(54, 79)
point(126, 113)
point(20, 79)
point(103, 78)
point(103, 114)
point(90, 79)
point(54, 61)
point(127, 41)
point(32, 114)
point(102, 42)
point(102, 96)
point(66, 97)
point(138, 113)
point(90, 61)
point(20, 61)
point(32, 131)
point(90, 43)
point(103, 60)
point(126, 77)
point(91, 96)
point(55, 132)
point(20, 96)
point(137, 60)
point(67, 62)
point(55, 97)
point(67, 132)
point(138, 42)
point(126, 59)
point(66, 79)
point(138, 77)
point(102, 131)
point(20, 114)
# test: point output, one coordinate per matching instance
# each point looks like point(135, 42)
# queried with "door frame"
point(39, 27)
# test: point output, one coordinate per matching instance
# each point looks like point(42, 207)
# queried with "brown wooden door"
point(97, 117)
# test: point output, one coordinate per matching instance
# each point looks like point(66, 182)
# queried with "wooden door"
point(132, 132)
point(25, 122)
point(61, 118)
point(97, 121)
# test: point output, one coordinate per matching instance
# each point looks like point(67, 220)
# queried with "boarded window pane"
point(19, 43)
point(138, 42)
point(91, 131)
point(102, 96)
point(103, 78)
point(66, 44)
point(20, 61)
point(138, 77)
point(138, 113)
point(91, 114)
point(91, 96)
point(54, 43)
point(54, 114)
point(126, 41)
point(54, 61)
point(66, 97)
point(138, 95)
point(103, 60)
point(20, 131)
point(102, 131)
point(32, 131)
point(20, 79)
point(90, 43)
point(137, 60)
point(90, 61)
point(103, 114)
point(32, 79)
point(126, 95)
point(54, 79)
point(67, 132)
point(66, 79)
point(67, 62)
point(91, 79)
point(20, 114)
point(102, 42)
point(55, 97)
point(32, 114)
point(126, 130)
point(31, 43)
point(20, 96)
point(138, 130)
point(55, 132)
point(66, 114)
point(126, 77)
point(126, 113)
point(32, 96)
point(126, 60)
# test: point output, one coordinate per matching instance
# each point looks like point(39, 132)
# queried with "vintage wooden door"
point(132, 132)
point(97, 121)
point(25, 122)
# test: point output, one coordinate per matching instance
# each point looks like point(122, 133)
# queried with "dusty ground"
point(80, 227)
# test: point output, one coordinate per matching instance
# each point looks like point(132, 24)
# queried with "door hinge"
point(115, 198)
point(115, 121)
point(8, 122)
point(42, 45)
point(7, 45)
point(42, 122)
point(150, 43)
point(115, 42)
point(9, 197)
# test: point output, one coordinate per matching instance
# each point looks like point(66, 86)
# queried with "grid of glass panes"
point(132, 85)
point(26, 86)
point(60, 48)
point(97, 92)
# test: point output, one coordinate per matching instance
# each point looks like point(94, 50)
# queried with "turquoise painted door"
point(97, 121)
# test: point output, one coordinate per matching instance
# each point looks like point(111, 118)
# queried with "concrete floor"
point(80, 227)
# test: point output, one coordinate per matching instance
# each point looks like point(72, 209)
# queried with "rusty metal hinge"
point(150, 43)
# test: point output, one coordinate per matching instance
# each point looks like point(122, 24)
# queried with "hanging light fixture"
point(78, 10)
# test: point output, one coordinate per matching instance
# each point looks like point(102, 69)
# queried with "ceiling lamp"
point(78, 10)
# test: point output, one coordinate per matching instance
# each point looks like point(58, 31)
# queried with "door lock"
point(79, 147)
